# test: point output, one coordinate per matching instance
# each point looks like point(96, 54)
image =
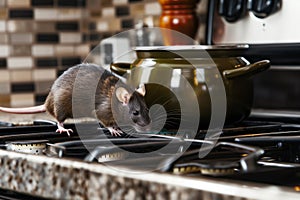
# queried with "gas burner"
point(28, 146)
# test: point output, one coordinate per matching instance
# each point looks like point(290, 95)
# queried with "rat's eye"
point(136, 113)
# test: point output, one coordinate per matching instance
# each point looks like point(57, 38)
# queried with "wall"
point(41, 38)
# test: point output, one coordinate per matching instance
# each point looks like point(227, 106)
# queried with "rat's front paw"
point(115, 132)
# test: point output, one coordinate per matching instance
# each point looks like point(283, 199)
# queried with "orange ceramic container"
point(179, 15)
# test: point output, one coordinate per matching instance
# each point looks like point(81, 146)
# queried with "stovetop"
point(259, 150)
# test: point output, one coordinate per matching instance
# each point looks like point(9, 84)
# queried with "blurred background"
point(39, 39)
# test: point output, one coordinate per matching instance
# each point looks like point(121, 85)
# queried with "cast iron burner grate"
point(246, 148)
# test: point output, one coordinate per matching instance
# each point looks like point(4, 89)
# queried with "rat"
point(129, 104)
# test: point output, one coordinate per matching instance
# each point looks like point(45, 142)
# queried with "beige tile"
point(152, 8)
point(4, 88)
point(82, 50)
point(20, 50)
point(4, 76)
point(19, 26)
point(44, 74)
point(20, 63)
point(42, 50)
point(70, 14)
point(105, 25)
point(20, 76)
point(137, 9)
point(21, 38)
point(45, 14)
point(2, 3)
point(2, 26)
point(120, 2)
point(20, 100)
point(18, 3)
point(64, 50)
point(70, 38)
point(4, 50)
point(43, 87)
point(108, 12)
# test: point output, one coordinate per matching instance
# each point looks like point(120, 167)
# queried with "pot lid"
point(191, 51)
point(193, 47)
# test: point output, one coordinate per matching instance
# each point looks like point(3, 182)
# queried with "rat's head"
point(135, 106)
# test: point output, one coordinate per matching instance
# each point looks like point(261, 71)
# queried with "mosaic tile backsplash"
point(39, 39)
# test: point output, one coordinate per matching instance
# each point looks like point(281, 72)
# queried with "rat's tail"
point(27, 110)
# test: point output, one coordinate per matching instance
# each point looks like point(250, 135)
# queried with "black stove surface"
point(254, 150)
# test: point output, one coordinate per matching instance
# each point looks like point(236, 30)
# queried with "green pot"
point(215, 73)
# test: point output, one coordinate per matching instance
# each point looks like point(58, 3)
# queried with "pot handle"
point(120, 68)
point(248, 70)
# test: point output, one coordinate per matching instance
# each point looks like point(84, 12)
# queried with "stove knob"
point(232, 10)
point(264, 8)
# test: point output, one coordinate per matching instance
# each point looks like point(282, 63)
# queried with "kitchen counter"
point(72, 179)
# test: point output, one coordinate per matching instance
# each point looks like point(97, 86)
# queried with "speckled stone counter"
point(55, 178)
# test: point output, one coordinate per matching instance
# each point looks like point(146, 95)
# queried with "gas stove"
point(257, 157)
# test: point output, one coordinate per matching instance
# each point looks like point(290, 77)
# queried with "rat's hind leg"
point(62, 129)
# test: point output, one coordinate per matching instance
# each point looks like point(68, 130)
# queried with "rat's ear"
point(122, 95)
point(141, 89)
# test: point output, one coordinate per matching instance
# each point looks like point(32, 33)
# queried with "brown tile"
point(3, 13)
point(19, 26)
point(94, 4)
point(5, 100)
point(43, 27)
point(21, 50)
point(21, 38)
point(106, 3)
point(4, 88)
point(2, 4)
point(95, 13)
point(3, 38)
point(43, 87)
